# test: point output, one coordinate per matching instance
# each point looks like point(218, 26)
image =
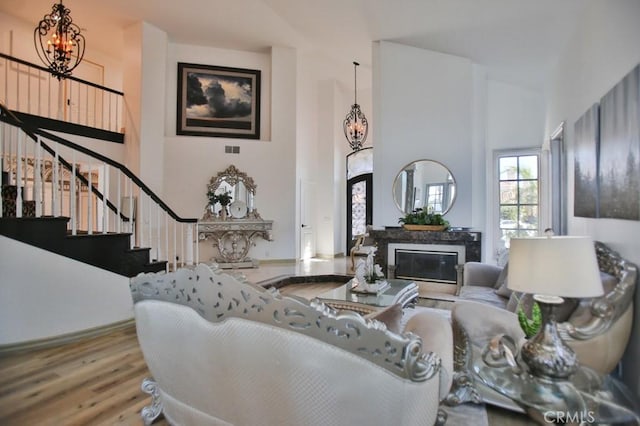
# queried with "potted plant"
point(422, 220)
point(223, 198)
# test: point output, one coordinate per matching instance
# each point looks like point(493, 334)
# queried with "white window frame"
point(543, 202)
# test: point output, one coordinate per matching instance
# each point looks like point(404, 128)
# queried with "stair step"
point(156, 266)
point(110, 251)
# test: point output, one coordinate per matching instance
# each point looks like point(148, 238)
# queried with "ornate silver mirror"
point(241, 190)
point(424, 184)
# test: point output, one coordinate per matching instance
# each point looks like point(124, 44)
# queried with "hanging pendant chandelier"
point(355, 124)
point(58, 41)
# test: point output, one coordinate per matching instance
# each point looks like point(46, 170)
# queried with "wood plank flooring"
point(93, 382)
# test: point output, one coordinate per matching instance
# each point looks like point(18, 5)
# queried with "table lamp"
point(552, 267)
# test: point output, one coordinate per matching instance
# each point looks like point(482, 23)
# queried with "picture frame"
point(619, 154)
point(217, 101)
point(586, 149)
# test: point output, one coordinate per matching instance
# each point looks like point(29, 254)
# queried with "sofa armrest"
point(481, 274)
point(435, 331)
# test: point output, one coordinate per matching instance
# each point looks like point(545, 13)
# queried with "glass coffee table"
point(402, 292)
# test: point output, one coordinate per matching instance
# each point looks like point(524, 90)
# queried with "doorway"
point(359, 194)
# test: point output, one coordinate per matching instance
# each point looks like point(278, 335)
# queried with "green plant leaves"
point(530, 326)
point(423, 217)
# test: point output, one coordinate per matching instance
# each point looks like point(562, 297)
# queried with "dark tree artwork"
point(619, 161)
point(586, 164)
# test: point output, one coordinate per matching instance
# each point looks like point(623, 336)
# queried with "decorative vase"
point(223, 213)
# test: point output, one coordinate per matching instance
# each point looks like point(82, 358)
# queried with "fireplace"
point(434, 263)
point(436, 266)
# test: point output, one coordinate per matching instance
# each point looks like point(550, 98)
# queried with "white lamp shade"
point(564, 266)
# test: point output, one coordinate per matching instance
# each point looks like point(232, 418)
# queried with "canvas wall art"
point(218, 101)
point(586, 164)
point(619, 160)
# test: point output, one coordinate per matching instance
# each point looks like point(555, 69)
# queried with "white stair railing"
point(97, 194)
point(32, 89)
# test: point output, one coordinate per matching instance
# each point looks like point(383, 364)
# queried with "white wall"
point(423, 110)
point(190, 161)
point(515, 120)
point(430, 105)
point(58, 297)
point(323, 103)
point(603, 50)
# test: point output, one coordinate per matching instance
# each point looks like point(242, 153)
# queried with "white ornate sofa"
point(597, 329)
point(225, 352)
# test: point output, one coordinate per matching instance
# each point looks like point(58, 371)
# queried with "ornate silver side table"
point(586, 397)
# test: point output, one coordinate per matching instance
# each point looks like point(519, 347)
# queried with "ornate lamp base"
point(546, 354)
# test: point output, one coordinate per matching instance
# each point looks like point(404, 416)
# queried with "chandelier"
point(58, 41)
point(355, 124)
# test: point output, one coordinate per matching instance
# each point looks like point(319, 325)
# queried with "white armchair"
point(226, 352)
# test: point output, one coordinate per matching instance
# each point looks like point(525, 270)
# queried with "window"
point(435, 196)
point(438, 195)
point(519, 195)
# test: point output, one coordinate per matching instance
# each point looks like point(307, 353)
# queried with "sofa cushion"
point(482, 294)
point(391, 316)
point(502, 282)
point(502, 278)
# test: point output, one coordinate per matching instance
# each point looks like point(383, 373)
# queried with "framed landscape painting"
point(587, 144)
point(218, 101)
point(619, 162)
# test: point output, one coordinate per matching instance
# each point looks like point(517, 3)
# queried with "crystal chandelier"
point(58, 41)
point(355, 124)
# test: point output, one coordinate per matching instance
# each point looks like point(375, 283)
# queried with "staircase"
point(77, 208)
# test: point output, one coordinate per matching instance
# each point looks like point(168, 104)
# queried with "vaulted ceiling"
point(517, 41)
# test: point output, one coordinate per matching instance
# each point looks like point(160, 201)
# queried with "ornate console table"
point(233, 233)
point(234, 238)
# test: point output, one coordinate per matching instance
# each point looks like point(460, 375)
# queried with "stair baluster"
point(45, 183)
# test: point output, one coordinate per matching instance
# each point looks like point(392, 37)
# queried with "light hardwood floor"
point(93, 382)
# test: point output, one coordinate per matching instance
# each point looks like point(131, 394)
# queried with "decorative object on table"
point(355, 124)
point(423, 220)
point(552, 267)
point(368, 275)
point(223, 199)
point(238, 209)
point(58, 41)
point(218, 101)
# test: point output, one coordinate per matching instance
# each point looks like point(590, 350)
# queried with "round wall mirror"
point(424, 184)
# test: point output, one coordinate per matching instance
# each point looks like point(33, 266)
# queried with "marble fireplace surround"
point(471, 240)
